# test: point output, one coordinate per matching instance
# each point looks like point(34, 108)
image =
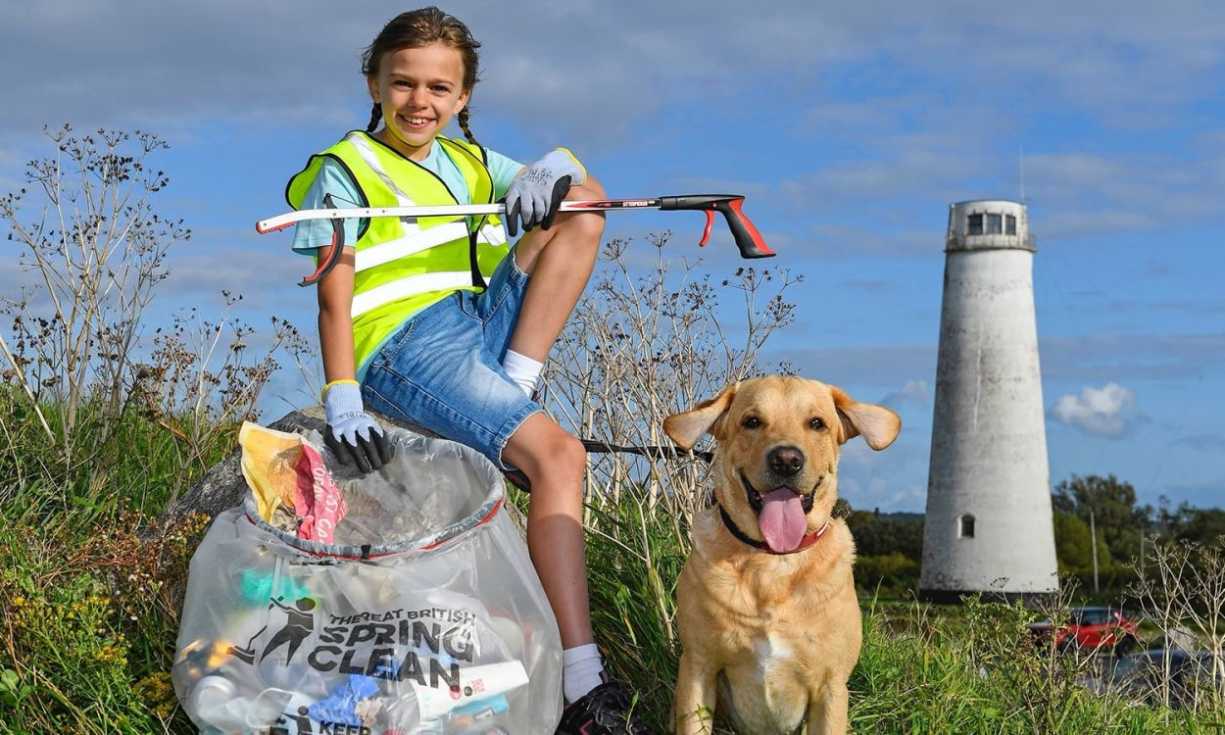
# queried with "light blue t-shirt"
point(334, 180)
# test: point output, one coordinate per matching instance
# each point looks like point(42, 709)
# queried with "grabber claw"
point(330, 254)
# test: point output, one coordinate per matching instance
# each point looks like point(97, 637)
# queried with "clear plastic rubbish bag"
point(423, 615)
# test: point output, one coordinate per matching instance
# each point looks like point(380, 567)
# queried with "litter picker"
point(748, 239)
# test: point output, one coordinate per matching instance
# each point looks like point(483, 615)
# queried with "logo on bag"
point(293, 724)
point(301, 724)
point(427, 645)
point(299, 623)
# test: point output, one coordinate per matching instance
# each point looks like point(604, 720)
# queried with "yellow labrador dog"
point(767, 609)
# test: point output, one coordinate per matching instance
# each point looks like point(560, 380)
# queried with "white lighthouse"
point(988, 527)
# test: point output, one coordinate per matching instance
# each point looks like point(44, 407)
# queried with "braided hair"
point(417, 28)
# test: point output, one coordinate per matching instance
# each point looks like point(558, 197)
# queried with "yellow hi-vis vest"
point(404, 265)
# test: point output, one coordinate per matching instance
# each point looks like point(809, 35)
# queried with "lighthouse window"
point(995, 224)
point(965, 526)
point(1010, 225)
point(976, 224)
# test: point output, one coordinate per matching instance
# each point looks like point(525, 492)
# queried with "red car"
point(1092, 628)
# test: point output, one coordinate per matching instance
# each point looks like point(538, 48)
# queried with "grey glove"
point(352, 435)
point(537, 192)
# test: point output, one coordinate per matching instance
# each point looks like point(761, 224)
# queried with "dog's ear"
point(879, 425)
point(686, 428)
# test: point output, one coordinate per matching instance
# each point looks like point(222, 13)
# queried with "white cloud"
point(1106, 411)
point(938, 130)
point(1072, 359)
point(914, 393)
point(868, 365)
point(1084, 358)
point(261, 276)
point(1082, 193)
point(923, 152)
point(142, 60)
point(830, 241)
point(894, 479)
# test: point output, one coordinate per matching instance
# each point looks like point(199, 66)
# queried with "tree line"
point(890, 545)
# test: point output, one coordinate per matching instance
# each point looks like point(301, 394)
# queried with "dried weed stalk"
point(641, 346)
point(75, 360)
point(97, 249)
point(1181, 590)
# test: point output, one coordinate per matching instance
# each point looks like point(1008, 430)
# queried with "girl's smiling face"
point(420, 90)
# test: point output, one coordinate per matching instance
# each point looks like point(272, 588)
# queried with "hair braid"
point(462, 118)
point(376, 114)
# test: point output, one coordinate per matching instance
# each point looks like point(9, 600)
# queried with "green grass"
point(88, 613)
point(973, 670)
point(89, 622)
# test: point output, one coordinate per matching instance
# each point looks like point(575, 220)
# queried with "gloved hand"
point(537, 191)
point(351, 434)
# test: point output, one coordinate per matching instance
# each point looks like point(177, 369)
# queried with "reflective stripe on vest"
point(404, 265)
point(376, 255)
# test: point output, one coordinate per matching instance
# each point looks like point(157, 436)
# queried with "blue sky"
point(850, 128)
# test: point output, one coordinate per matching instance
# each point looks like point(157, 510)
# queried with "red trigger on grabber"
point(710, 221)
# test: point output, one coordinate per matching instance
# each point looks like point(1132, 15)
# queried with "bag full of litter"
point(401, 602)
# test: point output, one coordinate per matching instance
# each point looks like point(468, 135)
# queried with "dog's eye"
point(750, 422)
point(816, 423)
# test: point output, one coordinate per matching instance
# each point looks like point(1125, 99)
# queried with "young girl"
point(442, 324)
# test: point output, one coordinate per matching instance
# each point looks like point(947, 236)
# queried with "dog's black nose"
point(786, 461)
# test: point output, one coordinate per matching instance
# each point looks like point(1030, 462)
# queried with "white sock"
point(583, 666)
point(523, 370)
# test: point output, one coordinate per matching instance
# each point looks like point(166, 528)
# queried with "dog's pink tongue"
point(782, 520)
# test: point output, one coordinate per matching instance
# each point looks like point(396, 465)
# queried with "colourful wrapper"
point(317, 499)
point(269, 464)
point(284, 471)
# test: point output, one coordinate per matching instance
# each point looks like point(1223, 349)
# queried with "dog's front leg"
point(827, 711)
point(694, 706)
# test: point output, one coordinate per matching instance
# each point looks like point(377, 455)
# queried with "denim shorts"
point(443, 369)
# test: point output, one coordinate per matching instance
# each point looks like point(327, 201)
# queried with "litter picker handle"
point(748, 239)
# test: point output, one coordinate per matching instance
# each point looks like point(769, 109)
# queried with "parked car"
point(1090, 628)
point(1140, 675)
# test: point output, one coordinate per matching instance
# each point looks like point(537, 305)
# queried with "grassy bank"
point(100, 431)
point(89, 609)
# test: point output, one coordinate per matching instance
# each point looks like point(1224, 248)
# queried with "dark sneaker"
point(609, 709)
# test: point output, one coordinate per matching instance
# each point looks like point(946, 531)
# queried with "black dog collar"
point(809, 539)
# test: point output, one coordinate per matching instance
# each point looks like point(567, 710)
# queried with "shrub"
point(89, 625)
